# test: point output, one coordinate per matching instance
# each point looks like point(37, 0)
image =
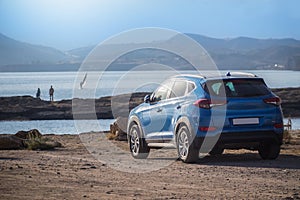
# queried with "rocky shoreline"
point(30, 108)
point(290, 98)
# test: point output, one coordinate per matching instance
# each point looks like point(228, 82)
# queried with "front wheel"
point(186, 148)
point(138, 146)
point(269, 150)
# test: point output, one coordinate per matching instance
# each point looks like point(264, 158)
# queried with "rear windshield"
point(236, 88)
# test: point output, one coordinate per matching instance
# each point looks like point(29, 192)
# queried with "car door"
point(173, 107)
point(154, 118)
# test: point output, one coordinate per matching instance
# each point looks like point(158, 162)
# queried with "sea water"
point(55, 126)
point(26, 83)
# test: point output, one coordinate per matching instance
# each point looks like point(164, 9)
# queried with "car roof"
point(217, 76)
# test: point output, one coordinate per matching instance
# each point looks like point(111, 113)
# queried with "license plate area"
point(245, 121)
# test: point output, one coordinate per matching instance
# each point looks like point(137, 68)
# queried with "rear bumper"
point(242, 139)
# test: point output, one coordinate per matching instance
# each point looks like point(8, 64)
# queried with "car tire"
point(216, 151)
point(186, 148)
point(269, 151)
point(137, 144)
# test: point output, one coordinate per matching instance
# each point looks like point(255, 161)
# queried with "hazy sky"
point(67, 24)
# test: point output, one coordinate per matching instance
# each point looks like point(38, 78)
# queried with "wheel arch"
point(183, 121)
point(134, 120)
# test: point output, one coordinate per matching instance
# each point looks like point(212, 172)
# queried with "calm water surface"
point(26, 83)
point(55, 126)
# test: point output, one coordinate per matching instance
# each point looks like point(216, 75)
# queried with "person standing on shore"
point(38, 93)
point(289, 123)
point(51, 93)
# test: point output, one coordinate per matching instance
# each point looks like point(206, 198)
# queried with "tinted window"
point(178, 89)
point(162, 91)
point(237, 87)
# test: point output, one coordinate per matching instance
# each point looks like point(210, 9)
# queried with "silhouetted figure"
point(289, 123)
point(38, 93)
point(51, 93)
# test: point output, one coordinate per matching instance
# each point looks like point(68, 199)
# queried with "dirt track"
point(73, 173)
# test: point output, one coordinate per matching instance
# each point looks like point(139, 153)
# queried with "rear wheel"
point(268, 150)
point(186, 148)
point(137, 144)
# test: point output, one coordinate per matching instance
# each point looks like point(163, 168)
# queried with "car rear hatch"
point(250, 105)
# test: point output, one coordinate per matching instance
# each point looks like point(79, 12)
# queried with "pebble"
point(109, 192)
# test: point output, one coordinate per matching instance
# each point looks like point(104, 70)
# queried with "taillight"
point(202, 103)
point(207, 103)
point(273, 100)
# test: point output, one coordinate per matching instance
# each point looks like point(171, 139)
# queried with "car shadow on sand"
point(284, 161)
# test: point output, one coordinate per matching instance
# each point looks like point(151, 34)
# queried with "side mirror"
point(147, 98)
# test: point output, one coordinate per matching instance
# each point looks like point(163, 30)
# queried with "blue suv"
point(208, 114)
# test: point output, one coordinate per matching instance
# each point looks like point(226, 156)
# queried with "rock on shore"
point(30, 108)
point(290, 101)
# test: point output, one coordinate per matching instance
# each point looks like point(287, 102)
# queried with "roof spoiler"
point(241, 74)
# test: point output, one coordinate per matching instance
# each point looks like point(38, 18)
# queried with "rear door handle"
point(178, 107)
point(159, 110)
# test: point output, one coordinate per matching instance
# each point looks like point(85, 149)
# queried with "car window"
point(217, 87)
point(178, 89)
point(237, 87)
point(191, 86)
point(162, 92)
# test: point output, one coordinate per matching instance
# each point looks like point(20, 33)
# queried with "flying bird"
point(83, 82)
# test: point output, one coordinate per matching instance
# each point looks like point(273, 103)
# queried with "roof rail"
point(247, 74)
point(191, 75)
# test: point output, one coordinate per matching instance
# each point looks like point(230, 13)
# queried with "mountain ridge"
point(16, 52)
point(229, 53)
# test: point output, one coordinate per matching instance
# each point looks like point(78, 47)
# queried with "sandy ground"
point(73, 173)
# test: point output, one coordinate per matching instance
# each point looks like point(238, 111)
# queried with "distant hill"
point(237, 53)
point(79, 54)
point(242, 43)
point(13, 52)
point(251, 53)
